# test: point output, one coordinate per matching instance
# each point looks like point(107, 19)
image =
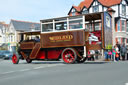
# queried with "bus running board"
point(35, 51)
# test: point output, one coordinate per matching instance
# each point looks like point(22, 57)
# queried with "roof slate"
point(85, 3)
point(109, 3)
point(25, 26)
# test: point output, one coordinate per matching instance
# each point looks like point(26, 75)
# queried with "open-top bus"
point(68, 38)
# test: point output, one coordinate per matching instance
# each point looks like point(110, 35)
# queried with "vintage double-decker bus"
point(68, 38)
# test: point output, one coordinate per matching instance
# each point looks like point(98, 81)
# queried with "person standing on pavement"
point(113, 53)
point(118, 45)
point(117, 53)
point(109, 55)
point(96, 54)
point(106, 54)
point(89, 56)
point(123, 51)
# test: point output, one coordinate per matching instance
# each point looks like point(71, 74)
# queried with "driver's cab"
point(29, 39)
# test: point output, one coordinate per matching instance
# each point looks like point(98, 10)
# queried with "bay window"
point(123, 25)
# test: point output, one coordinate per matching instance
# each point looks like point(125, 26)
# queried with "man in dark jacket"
point(123, 51)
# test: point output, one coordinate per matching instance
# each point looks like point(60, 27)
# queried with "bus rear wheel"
point(69, 55)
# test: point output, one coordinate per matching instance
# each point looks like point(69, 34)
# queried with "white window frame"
point(67, 19)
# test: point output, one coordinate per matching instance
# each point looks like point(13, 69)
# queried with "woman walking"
point(117, 53)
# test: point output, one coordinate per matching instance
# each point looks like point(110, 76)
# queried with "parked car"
point(5, 54)
point(1, 54)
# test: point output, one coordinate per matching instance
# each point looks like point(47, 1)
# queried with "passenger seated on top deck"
point(26, 39)
point(37, 39)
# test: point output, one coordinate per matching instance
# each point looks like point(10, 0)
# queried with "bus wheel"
point(69, 55)
point(15, 59)
point(28, 60)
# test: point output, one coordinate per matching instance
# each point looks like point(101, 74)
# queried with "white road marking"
point(25, 70)
point(55, 65)
point(126, 84)
point(39, 67)
point(35, 68)
point(8, 72)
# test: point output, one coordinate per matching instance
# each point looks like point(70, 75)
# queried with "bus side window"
point(61, 26)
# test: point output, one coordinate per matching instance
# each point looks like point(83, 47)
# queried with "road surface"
point(57, 73)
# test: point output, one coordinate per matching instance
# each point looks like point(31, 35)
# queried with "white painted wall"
point(3, 35)
point(116, 10)
point(13, 37)
point(100, 8)
point(90, 10)
point(105, 8)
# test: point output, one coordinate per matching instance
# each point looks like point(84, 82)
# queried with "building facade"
point(3, 30)
point(120, 33)
point(16, 27)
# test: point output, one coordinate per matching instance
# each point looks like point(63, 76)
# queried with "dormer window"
point(96, 8)
point(85, 11)
point(123, 9)
point(73, 12)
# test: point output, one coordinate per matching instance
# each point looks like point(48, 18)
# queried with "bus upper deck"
point(70, 22)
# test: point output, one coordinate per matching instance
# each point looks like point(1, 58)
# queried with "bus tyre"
point(69, 55)
point(28, 60)
point(15, 59)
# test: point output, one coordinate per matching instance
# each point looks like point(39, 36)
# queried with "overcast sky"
point(34, 10)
